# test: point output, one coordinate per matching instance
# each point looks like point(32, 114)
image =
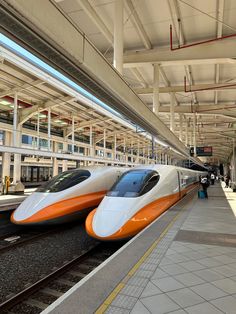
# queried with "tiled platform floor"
point(193, 268)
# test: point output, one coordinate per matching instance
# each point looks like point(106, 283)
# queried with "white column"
point(49, 129)
point(114, 149)
point(156, 83)
point(65, 149)
point(172, 112)
point(181, 127)
point(73, 135)
point(186, 133)
point(38, 130)
point(156, 154)
point(91, 141)
point(137, 156)
point(16, 142)
point(118, 36)
point(15, 119)
point(17, 159)
point(54, 160)
point(104, 143)
point(194, 135)
point(165, 159)
point(6, 157)
point(132, 152)
point(233, 170)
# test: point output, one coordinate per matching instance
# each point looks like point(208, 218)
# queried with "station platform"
point(10, 201)
point(184, 262)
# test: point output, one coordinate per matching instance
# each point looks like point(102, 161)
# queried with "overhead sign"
point(202, 151)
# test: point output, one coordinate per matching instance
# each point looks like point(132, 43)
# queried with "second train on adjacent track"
point(70, 195)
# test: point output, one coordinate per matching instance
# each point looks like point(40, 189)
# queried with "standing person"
point(227, 181)
point(212, 179)
point(205, 184)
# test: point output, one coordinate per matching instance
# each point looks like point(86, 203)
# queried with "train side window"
point(150, 184)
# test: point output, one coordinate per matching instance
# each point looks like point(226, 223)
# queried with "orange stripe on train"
point(64, 207)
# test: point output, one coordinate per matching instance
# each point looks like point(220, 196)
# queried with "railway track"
point(39, 295)
point(20, 237)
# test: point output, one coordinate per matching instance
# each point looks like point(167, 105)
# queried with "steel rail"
point(24, 294)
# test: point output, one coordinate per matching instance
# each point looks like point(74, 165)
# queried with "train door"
point(179, 183)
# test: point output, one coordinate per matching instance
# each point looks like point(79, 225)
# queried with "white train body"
point(129, 207)
point(70, 194)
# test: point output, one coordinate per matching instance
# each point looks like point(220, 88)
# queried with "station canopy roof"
point(197, 66)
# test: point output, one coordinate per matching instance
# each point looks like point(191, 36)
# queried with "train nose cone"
point(30, 206)
point(107, 223)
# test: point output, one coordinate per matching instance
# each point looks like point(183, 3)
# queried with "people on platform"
point(227, 178)
point(212, 179)
point(205, 184)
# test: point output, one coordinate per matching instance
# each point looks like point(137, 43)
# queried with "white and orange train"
point(71, 194)
point(138, 198)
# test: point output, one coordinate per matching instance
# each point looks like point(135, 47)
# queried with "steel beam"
point(221, 51)
point(48, 23)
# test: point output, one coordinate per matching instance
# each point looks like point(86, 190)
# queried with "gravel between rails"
point(26, 264)
point(6, 226)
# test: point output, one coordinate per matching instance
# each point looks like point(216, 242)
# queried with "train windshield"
point(64, 181)
point(134, 183)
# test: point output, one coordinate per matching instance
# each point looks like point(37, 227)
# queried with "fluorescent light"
point(41, 115)
point(5, 103)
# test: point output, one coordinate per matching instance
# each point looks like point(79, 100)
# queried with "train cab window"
point(64, 181)
point(134, 183)
point(150, 184)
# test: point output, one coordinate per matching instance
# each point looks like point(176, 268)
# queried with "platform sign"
point(202, 151)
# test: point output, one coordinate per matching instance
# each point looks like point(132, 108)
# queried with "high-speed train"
point(71, 194)
point(137, 198)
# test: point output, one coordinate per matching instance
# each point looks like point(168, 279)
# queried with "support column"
point(156, 154)
point(181, 127)
point(137, 156)
point(156, 83)
point(16, 142)
point(166, 161)
point(194, 135)
point(186, 133)
point(104, 143)
point(91, 148)
point(38, 130)
point(132, 152)
point(124, 150)
point(118, 36)
point(234, 163)
point(6, 157)
point(73, 134)
point(15, 119)
point(49, 129)
point(65, 149)
point(54, 160)
point(114, 148)
point(172, 112)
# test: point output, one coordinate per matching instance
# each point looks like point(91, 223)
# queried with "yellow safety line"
point(121, 285)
